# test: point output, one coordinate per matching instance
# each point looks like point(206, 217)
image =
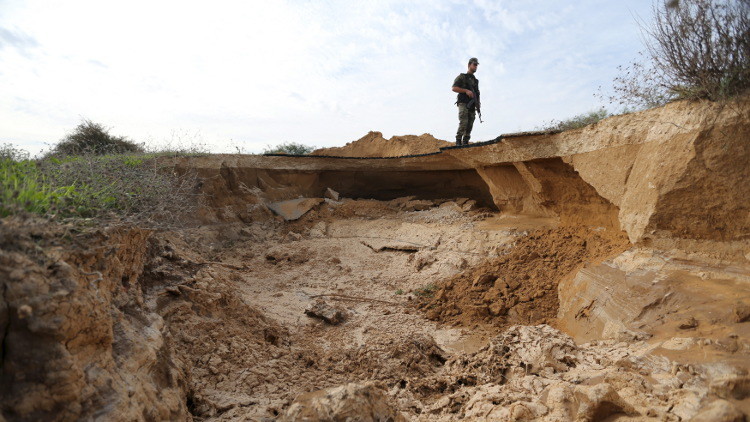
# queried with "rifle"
point(477, 104)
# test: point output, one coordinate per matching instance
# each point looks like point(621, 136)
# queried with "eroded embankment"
point(423, 276)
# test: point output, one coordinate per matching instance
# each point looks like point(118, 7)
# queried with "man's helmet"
point(473, 60)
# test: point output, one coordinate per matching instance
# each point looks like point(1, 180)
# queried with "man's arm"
point(460, 90)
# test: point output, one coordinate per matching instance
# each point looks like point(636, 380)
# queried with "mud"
point(529, 289)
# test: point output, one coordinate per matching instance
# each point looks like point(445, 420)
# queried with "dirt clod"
point(330, 314)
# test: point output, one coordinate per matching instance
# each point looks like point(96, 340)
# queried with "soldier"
point(467, 87)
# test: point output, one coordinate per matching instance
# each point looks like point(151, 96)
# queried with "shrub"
point(291, 148)
point(10, 152)
point(578, 121)
point(92, 138)
point(694, 49)
point(134, 188)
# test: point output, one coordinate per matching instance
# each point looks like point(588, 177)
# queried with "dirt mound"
point(374, 145)
point(521, 287)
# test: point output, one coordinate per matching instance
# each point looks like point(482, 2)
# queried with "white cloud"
point(321, 73)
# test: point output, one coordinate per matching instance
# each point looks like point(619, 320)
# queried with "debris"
point(688, 324)
point(295, 208)
point(469, 205)
point(380, 245)
point(24, 311)
point(741, 312)
point(355, 402)
point(418, 205)
point(719, 411)
point(331, 315)
point(331, 194)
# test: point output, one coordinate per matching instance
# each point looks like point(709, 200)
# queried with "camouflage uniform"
point(466, 115)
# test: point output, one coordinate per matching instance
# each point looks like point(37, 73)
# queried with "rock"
point(485, 280)
point(678, 343)
point(25, 311)
point(331, 194)
point(293, 237)
point(597, 402)
point(379, 245)
point(350, 402)
point(736, 386)
point(418, 205)
point(469, 205)
point(295, 208)
point(321, 309)
point(741, 312)
point(688, 324)
point(632, 336)
point(319, 229)
point(719, 411)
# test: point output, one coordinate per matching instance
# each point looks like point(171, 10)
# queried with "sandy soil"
point(411, 308)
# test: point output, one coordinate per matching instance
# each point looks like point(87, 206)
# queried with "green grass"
point(22, 187)
point(131, 186)
point(578, 121)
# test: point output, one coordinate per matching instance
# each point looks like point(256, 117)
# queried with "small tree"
point(695, 49)
point(92, 138)
point(291, 148)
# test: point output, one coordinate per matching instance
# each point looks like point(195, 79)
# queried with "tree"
point(291, 148)
point(694, 49)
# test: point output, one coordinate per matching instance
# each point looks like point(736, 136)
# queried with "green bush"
point(92, 138)
point(291, 148)
point(578, 121)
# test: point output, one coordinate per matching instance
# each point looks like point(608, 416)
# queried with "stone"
point(322, 310)
point(351, 402)
point(719, 411)
point(485, 280)
point(741, 312)
point(688, 324)
point(331, 194)
point(469, 205)
point(418, 205)
point(295, 208)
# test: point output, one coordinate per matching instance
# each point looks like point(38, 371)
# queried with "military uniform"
point(466, 114)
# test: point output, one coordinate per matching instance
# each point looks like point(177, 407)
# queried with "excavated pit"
point(557, 277)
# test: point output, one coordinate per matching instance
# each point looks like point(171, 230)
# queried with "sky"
point(240, 76)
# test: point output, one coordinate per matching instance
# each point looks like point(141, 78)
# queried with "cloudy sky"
point(242, 75)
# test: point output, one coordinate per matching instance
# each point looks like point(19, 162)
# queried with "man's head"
point(473, 63)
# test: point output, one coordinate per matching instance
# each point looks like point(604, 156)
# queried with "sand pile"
point(521, 287)
point(374, 145)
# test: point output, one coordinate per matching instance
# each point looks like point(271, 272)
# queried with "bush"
point(92, 138)
point(291, 148)
point(135, 188)
point(578, 121)
point(10, 152)
point(694, 49)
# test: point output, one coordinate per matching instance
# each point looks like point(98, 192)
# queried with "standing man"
point(467, 87)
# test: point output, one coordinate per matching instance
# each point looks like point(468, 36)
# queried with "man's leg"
point(470, 116)
point(463, 121)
